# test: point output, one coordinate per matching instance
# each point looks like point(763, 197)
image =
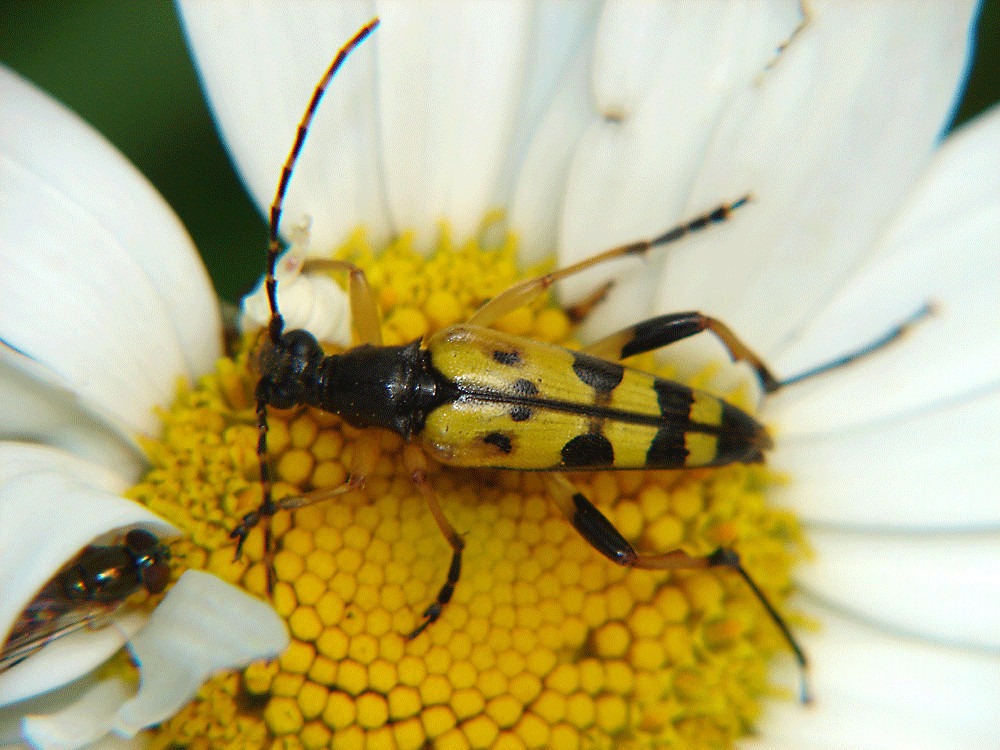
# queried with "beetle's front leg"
point(364, 309)
point(366, 454)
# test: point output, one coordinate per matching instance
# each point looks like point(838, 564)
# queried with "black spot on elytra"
point(511, 359)
point(523, 388)
point(599, 374)
point(520, 413)
point(674, 400)
point(667, 451)
point(499, 441)
point(592, 449)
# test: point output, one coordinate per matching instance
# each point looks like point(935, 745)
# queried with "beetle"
point(476, 397)
point(94, 583)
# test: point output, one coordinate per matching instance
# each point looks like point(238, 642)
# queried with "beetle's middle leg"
point(416, 464)
point(363, 463)
point(666, 329)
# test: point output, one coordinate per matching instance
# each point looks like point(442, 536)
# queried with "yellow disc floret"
point(545, 643)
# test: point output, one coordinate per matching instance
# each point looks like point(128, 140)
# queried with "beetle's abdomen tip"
point(742, 438)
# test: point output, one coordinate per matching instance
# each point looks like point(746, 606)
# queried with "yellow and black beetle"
point(474, 396)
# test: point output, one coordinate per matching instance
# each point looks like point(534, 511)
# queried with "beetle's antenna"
point(267, 508)
point(274, 243)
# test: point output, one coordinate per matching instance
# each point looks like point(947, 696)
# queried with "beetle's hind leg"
point(602, 535)
point(366, 455)
point(664, 330)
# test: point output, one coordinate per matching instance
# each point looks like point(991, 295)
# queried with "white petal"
point(941, 587)
point(20, 458)
point(458, 95)
point(537, 200)
point(259, 63)
point(114, 742)
point(932, 470)
point(656, 106)
point(202, 627)
point(556, 106)
point(314, 302)
point(786, 129)
point(100, 282)
point(37, 405)
point(939, 253)
point(86, 720)
point(829, 140)
point(39, 492)
point(60, 699)
point(450, 83)
point(67, 658)
point(875, 691)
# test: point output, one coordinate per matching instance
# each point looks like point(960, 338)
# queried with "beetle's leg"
point(578, 313)
point(365, 456)
point(416, 464)
point(925, 310)
point(523, 292)
point(367, 450)
point(601, 534)
point(293, 502)
point(666, 329)
point(364, 309)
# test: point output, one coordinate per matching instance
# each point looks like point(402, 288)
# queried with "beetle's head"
point(288, 369)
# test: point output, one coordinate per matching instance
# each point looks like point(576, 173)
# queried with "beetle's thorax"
point(368, 386)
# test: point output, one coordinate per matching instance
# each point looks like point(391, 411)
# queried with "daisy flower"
point(99, 281)
point(596, 125)
point(592, 126)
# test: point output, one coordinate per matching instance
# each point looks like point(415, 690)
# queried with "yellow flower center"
point(545, 643)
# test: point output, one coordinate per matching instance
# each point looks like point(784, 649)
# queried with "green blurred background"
point(123, 66)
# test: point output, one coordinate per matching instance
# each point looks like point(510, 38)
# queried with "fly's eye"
point(151, 558)
point(140, 540)
point(156, 577)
